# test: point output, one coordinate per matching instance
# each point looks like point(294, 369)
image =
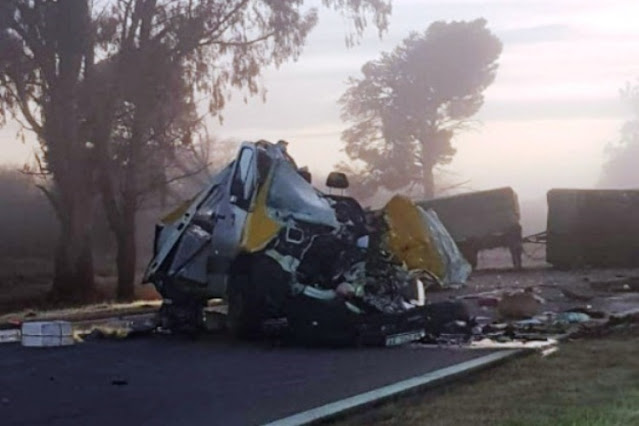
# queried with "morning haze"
point(554, 105)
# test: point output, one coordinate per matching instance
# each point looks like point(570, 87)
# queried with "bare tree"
point(409, 104)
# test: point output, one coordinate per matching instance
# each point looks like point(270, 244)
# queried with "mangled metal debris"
point(263, 238)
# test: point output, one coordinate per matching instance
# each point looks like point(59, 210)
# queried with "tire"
point(183, 317)
point(244, 318)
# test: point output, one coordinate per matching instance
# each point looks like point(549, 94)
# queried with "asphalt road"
point(164, 380)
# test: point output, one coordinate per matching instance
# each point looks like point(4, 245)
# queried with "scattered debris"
point(116, 329)
point(488, 343)
point(519, 305)
point(103, 332)
point(572, 294)
point(572, 318)
point(8, 336)
point(588, 310)
point(488, 301)
point(549, 351)
point(623, 284)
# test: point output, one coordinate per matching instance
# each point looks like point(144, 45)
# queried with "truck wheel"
point(183, 316)
point(244, 315)
point(516, 254)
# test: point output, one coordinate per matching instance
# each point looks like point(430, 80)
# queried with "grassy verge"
point(588, 382)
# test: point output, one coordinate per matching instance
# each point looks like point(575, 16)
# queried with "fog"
point(546, 120)
point(549, 120)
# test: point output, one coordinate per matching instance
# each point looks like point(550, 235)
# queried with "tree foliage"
point(620, 169)
point(408, 105)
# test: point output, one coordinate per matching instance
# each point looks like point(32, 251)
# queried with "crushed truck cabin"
point(264, 239)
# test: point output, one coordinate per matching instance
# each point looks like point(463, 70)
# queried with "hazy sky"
point(547, 118)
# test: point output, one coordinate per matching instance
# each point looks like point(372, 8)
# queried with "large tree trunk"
point(120, 206)
point(68, 155)
point(121, 218)
point(73, 200)
point(73, 263)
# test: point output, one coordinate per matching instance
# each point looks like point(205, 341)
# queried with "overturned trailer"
point(481, 220)
point(597, 228)
point(261, 237)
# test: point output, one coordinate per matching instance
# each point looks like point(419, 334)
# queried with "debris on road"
point(519, 305)
point(576, 295)
point(115, 329)
point(617, 284)
point(9, 336)
point(47, 334)
point(488, 301)
point(572, 318)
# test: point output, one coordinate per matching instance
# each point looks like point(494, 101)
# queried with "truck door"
point(230, 219)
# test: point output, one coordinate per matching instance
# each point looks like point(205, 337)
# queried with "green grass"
point(623, 411)
point(588, 382)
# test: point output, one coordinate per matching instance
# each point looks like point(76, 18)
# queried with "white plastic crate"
point(47, 333)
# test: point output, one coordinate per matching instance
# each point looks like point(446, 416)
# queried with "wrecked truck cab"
point(263, 238)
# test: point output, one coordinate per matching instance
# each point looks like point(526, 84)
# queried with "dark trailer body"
point(597, 228)
point(481, 220)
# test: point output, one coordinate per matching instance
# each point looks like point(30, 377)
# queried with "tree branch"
point(167, 182)
point(238, 43)
point(21, 99)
